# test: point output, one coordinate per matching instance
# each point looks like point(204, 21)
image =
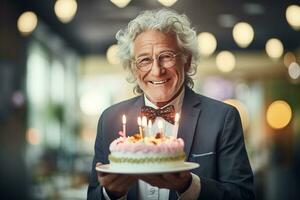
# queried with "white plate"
point(186, 166)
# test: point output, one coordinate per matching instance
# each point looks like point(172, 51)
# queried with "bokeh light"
point(274, 48)
point(27, 22)
point(293, 16)
point(33, 136)
point(121, 3)
point(225, 61)
point(207, 43)
point(243, 34)
point(279, 114)
point(294, 70)
point(167, 3)
point(65, 10)
point(111, 54)
point(288, 58)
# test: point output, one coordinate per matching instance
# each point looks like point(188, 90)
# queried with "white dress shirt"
point(145, 190)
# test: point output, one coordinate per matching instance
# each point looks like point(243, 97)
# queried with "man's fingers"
point(108, 179)
point(156, 180)
point(122, 183)
point(127, 182)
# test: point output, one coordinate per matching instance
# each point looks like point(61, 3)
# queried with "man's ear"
point(188, 62)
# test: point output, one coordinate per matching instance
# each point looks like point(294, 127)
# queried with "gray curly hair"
point(164, 20)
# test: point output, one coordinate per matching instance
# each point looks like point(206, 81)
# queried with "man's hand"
point(174, 181)
point(116, 185)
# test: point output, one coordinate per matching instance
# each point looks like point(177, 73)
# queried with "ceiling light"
point(225, 61)
point(27, 22)
point(243, 34)
point(292, 15)
point(274, 48)
point(207, 43)
point(111, 54)
point(167, 3)
point(121, 3)
point(65, 10)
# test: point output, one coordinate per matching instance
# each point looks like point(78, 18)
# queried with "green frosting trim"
point(145, 160)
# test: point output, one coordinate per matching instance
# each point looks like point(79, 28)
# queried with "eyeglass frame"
point(174, 55)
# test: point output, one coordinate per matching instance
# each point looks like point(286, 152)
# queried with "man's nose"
point(157, 69)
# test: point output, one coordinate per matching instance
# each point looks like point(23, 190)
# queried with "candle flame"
point(124, 119)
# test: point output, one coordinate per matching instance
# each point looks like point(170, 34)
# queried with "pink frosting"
point(169, 145)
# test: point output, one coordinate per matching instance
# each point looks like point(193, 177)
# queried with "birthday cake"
point(155, 152)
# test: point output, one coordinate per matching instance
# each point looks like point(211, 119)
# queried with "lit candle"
point(150, 128)
point(160, 126)
point(124, 125)
point(175, 128)
point(139, 121)
point(144, 125)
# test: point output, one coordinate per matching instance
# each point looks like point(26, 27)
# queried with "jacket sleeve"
point(235, 177)
point(94, 189)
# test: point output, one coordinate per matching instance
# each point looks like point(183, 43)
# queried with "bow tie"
point(168, 113)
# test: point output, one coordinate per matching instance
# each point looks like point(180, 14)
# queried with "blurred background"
point(58, 72)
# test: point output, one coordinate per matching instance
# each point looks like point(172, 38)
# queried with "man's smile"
point(159, 82)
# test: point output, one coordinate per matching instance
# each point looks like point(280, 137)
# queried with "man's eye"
point(144, 60)
point(166, 56)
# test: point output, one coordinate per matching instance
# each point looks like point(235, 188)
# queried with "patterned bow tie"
point(168, 113)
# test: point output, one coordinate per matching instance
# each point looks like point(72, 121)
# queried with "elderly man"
point(159, 48)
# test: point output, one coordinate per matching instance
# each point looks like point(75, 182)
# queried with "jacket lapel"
point(188, 121)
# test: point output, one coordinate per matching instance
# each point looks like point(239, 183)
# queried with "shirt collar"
point(177, 102)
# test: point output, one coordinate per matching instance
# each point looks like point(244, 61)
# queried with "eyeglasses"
point(165, 60)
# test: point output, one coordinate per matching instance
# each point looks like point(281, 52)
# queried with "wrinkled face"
point(159, 84)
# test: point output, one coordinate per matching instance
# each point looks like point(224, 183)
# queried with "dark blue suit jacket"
point(206, 126)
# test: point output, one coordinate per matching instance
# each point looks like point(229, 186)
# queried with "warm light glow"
point(150, 124)
point(167, 3)
point(244, 114)
point(33, 136)
point(243, 34)
point(294, 70)
point(111, 54)
point(225, 61)
point(274, 48)
point(139, 121)
point(65, 10)
point(121, 3)
point(177, 117)
point(144, 121)
point(124, 119)
point(207, 43)
point(293, 16)
point(279, 114)
point(27, 22)
point(288, 58)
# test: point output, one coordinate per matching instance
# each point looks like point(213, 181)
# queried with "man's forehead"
point(152, 41)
